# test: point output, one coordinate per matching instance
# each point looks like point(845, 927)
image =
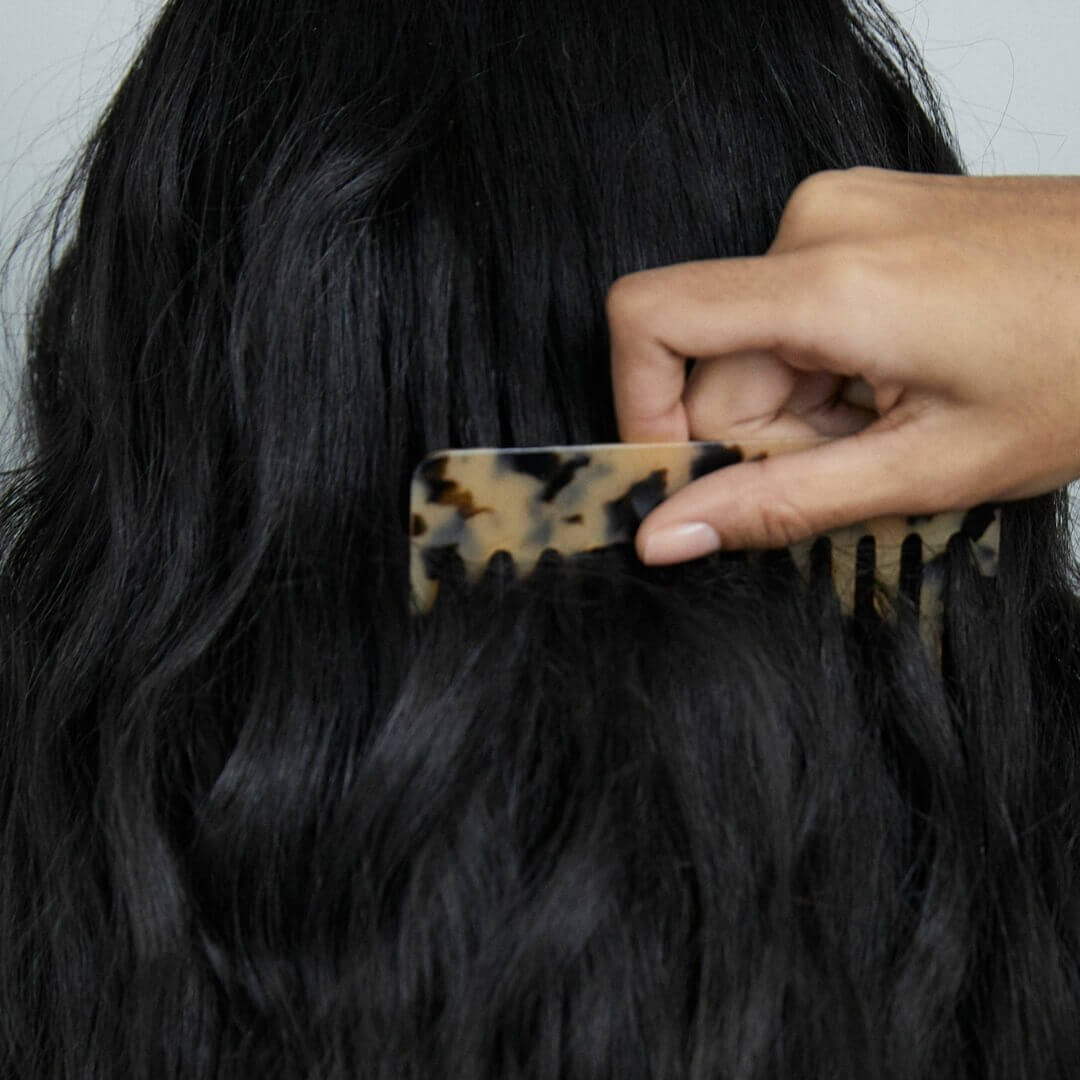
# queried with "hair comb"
point(573, 499)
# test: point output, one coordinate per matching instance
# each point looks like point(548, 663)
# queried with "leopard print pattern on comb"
point(573, 499)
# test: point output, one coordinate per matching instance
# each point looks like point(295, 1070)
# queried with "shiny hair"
point(258, 820)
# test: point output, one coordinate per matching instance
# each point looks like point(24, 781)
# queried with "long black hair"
point(258, 820)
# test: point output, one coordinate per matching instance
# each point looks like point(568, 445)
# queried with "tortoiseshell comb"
point(573, 499)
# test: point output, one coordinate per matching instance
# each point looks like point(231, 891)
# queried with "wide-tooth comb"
point(573, 499)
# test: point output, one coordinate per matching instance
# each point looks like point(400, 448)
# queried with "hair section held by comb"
point(473, 504)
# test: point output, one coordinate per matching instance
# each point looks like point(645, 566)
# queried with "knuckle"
point(865, 175)
point(833, 199)
point(629, 298)
point(780, 523)
point(852, 304)
point(850, 275)
point(813, 200)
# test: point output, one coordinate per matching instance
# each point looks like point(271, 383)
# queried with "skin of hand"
point(931, 323)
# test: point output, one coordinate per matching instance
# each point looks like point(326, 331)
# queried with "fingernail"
point(679, 543)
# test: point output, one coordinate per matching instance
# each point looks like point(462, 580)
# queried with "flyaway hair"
point(259, 821)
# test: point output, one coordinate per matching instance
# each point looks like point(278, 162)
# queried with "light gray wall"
point(1009, 71)
point(60, 61)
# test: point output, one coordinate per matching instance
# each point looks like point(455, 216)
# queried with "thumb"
point(779, 500)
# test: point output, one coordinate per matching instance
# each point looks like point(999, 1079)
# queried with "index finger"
point(659, 318)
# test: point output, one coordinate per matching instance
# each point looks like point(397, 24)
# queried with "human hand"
point(932, 322)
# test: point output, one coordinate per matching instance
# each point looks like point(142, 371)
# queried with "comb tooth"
point(935, 542)
point(988, 546)
point(842, 551)
point(889, 558)
point(800, 556)
point(525, 563)
point(424, 594)
point(474, 571)
point(501, 566)
point(424, 588)
point(932, 618)
point(932, 603)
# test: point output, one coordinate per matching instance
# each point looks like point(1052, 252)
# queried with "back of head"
point(603, 821)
